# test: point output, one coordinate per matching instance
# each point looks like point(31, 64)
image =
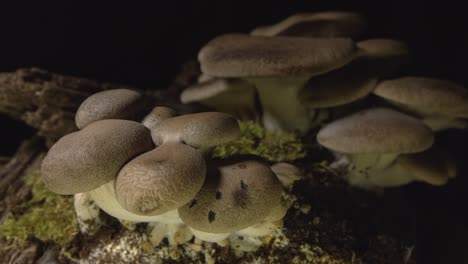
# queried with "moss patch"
point(47, 216)
point(255, 140)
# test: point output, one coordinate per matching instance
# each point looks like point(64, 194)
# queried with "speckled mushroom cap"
point(200, 130)
point(376, 130)
point(383, 48)
point(241, 55)
point(157, 115)
point(160, 180)
point(236, 195)
point(110, 104)
point(85, 160)
point(426, 96)
point(432, 166)
point(330, 24)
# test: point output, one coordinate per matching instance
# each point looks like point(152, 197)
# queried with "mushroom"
point(432, 166)
point(160, 180)
point(278, 67)
point(110, 104)
point(86, 163)
point(236, 195)
point(200, 130)
point(287, 173)
point(84, 160)
point(441, 104)
point(157, 115)
point(356, 80)
point(343, 86)
point(233, 96)
point(371, 140)
point(317, 25)
point(383, 48)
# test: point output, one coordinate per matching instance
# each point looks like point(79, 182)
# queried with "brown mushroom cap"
point(240, 55)
point(342, 86)
point(200, 130)
point(377, 130)
point(157, 115)
point(426, 96)
point(330, 24)
point(234, 196)
point(110, 104)
point(160, 180)
point(85, 160)
point(383, 48)
point(432, 166)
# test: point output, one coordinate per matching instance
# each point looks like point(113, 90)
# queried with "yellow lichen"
point(255, 140)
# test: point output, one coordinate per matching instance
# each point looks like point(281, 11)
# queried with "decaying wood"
point(12, 188)
point(44, 100)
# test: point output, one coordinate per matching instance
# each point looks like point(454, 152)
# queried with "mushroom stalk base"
point(281, 108)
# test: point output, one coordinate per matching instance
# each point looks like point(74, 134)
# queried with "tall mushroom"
point(278, 67)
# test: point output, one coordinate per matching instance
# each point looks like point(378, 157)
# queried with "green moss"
point(46, 216)
point(255, 140)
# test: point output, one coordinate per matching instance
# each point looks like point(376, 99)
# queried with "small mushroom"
point(157, 115)
point(278, 67)
point(287, 173)
point(200, 130)
point(356, 80)
point(110, 104)
point(160, 180)
point(432, 166)
point(441, 104)
point(372, 139)
point(232, 96)
point(343, 86)
point(84, 160)
point(330, 24)
point(236, 195)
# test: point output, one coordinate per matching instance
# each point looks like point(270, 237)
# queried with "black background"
point(145, 44)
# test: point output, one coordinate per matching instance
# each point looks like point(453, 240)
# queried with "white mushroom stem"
point(281, 108)
point(261, 229)
point(209, 237)
point(373, 170)
point(87, 213)
point(104, 197)
point(176, 233)
point(392, 176)
point(365, 162)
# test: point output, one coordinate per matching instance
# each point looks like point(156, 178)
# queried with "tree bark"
point(44, 100)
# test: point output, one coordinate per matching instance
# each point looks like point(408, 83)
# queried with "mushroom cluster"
point(315, 70)
point(293, 70)
point(157, 171)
